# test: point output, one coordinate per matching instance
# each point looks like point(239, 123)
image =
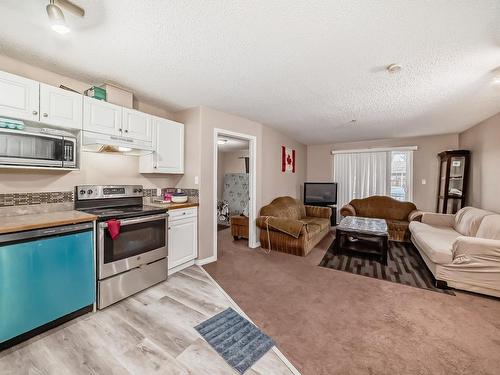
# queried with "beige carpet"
point(332, 322)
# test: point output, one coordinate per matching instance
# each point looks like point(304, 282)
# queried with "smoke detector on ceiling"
point(393, 68)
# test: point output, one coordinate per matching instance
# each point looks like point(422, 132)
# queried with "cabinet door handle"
point(45, 115)
point(120, 130)
point(35, 112)
point(126, 130)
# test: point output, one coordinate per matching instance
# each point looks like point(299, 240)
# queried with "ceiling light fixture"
point(56, 15)
point(221, 141)
point(393, 68)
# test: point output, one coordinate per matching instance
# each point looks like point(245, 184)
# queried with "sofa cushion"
point(435, 242)
point(382, 207)
point(489, 228)
point(468, 220)
point(320, 223)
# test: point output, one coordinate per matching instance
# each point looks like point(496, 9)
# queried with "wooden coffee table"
point(363, 235)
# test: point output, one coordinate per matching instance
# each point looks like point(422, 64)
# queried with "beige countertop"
point(18, 223)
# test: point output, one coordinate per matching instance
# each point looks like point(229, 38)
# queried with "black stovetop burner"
point(109, 213)
point(113, 201)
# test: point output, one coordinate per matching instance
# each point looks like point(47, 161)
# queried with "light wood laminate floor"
point(149, 333)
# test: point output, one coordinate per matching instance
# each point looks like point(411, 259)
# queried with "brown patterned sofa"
point(396, 213)
point(291, 227)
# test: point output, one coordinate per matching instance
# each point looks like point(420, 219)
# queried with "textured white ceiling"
point(304, 67)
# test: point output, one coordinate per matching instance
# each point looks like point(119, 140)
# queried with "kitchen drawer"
point(118, 287)
point(182, 213)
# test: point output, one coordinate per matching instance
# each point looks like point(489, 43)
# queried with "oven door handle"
point(142, 219)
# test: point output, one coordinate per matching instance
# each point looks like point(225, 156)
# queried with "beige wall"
point(95, 168)
point(425, 162)
point(211, 119)
point(220, 174)
point(270, 180)
point(233, 163)
point(274, 182)
point(483, 140)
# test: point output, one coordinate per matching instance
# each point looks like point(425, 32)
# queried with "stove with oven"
point(137, 257)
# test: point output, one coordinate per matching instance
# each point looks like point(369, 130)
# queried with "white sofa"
point(462, 250)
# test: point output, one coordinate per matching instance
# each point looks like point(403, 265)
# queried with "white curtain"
point(360, 175)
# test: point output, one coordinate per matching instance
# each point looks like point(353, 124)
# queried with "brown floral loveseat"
point(396, 213)
point(290, 227)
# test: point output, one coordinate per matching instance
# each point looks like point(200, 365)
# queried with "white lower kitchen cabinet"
point(182, 238)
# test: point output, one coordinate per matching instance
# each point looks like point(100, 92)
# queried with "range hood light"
point(124, 149)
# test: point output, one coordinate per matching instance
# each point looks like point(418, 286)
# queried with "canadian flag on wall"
point(287, 160)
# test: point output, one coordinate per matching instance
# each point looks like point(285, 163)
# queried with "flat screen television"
point(320, 193)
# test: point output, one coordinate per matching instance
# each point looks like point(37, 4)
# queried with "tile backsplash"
point(24, 199)
point(189, 192)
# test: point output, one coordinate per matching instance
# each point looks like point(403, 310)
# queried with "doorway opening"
point(234, 188)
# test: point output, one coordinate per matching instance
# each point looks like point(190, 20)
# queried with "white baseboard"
point(201, 262)
point(241, 312)
point(180, 267)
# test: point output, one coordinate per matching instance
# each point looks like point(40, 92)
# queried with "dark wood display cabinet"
point(453, 180)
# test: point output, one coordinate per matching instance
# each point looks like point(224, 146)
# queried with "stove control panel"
point(86, 192)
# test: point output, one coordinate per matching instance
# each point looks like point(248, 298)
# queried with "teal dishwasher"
point(47, 277)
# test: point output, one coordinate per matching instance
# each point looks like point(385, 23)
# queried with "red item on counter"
point(113, 228)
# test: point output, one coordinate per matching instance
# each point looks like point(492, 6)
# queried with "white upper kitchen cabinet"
point(137, 125)
point(60, 107)
point(102, 117)
point(168, 144)
point(19, 97)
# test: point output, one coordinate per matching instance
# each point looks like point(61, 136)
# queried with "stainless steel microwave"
point(38, 148)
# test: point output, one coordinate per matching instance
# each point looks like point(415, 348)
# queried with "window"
point(360, 174)
point(400, 175)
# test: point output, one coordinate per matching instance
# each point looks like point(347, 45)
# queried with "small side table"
point(239, 227)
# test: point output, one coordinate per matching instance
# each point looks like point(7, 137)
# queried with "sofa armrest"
point(474, 246)
point(316, 211)
point(348, 210)
point(285, 225)
point(415, 215)
point(438, 220)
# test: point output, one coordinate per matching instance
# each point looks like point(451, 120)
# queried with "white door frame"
point(252, 207)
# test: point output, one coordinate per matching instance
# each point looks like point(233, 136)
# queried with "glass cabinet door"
point(456, 179)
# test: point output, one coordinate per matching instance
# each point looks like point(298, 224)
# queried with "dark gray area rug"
point(404, 266)
point(238, 341)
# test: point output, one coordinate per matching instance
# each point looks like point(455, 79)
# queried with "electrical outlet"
point(196, 181)
point(424, 181)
